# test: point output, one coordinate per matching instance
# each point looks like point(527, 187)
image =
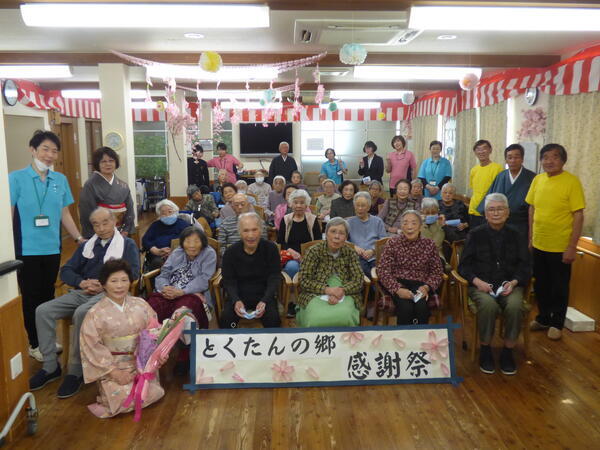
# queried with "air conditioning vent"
point(305, 36)
point(407, 36)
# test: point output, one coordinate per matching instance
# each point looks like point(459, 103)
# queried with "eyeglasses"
point(499, 209)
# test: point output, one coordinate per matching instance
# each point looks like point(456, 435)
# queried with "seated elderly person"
point(496, 255)
point(81, 272)
point(344, 206)
point(296, 228)
point(416, 191)
point(377, 201)
point(183, 282)
point(409, 269)
point(158, 237)
point(433, 224)
point(365, 230)
point(324, 201)
point(242, 188)
point(393, 208)
point(296, 180)
point(283, 208)
point(229, 230)
point(455, 214)
point(331, 281)
point(228, 190)
point(201, 204)
point(251, 276)
point(276, 195)
point(261, 188)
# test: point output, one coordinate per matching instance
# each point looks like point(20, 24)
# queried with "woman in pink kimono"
point(109, 337)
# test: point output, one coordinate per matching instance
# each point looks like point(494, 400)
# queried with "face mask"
point(430, 220)
point(260, 180)
point(241, 191)
point(40, 165)
point(169, 220)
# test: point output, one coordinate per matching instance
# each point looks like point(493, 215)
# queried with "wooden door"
point(93, 132)
point(585, 283)
point(68, 159)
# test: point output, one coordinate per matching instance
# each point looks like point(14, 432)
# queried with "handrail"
point(587, 252)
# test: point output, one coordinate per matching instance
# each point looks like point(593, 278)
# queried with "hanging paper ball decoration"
point(408, 98)
point(380, 115)
point(160, 106)
point(469, 81)
point(332, 106)
point(268, 95)
point(210, 61)
point(353, 54)
point(262, 102)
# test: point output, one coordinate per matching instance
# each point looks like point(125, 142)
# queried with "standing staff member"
point(225, 161)
point(40, 198)
point(435, 172)
point(400, 164)
point(555, 220)
point(370, 167)
point(197, 168)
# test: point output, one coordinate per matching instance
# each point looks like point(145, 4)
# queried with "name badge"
point(41, 221)
point(366, 180)
point(433, 182)
point(340, 172)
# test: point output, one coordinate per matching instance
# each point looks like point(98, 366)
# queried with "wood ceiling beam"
point(331, 60)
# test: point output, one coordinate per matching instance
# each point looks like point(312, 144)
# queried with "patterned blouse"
point(182, 276)
point(319, 265)
point(416, 260)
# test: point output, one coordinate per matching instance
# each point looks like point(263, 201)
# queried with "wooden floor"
point(553, 402)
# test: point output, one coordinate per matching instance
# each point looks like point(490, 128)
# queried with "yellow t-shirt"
point(480, 180)
point(555, 199)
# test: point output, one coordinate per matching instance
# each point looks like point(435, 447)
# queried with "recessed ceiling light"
point(504, 18)
point(194, 35)
point(446, 37)
point(367, 94)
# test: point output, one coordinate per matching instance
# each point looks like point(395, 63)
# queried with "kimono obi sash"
point(122, 346)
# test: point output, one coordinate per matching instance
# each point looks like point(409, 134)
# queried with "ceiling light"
point(139, 15)
point(366, 95)
point(398, 73)
point(95, 93)
point(143, 105)
point(250, 105)
point(194, 35)
point(446, 37)
point(234, 94)
point(226, 73)
point(35, 71)
point(501, 18)
point(354, 105)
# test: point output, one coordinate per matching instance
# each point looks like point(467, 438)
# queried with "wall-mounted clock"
point(113, 140)
point(10, 92)
point(531, 95)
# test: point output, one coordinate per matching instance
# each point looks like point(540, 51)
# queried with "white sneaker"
point(59, 348)
point(36, 354)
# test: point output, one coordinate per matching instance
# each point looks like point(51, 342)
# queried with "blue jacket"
point(79, 268)
point(160, 235)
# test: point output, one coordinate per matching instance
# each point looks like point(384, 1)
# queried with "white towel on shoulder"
point(114, 251)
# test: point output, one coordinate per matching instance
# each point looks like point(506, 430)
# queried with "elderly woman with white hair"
point(276, 195)
point(242, 188)
point(331, 280)
point(456, 214)
point(433, 223)
point(365, 230)
point(158, 237)
point(296, 228)
point(324, 201)
point(409, 270)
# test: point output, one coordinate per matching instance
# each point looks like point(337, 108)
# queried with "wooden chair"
point(456, 250)
point(65, 324)
point(254, 196)
point(313, 209)
point(260, 211)
point(203, 223)
point(283, 296)
point(468, 307)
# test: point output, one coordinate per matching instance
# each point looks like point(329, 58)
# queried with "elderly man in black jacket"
point(496, 263)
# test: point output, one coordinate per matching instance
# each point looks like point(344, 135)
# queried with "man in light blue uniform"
point(40, 198)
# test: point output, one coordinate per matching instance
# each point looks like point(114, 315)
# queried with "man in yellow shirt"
point(556, 204)
point(481, 178)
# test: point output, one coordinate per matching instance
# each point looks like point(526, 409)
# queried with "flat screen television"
point(256, 140)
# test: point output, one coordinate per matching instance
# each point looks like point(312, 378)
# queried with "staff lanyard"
point(437, 166)
point(40, 202)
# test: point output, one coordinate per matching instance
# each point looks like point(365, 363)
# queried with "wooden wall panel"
point(13, 340)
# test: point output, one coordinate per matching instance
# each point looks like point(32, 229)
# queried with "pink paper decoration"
point(435, 349)
point(533, 125)
point(282, 371)
point(352, 338)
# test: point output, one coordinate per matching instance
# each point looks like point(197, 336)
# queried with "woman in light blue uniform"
point(435, 171)
point(334, 168)
point(39, 198)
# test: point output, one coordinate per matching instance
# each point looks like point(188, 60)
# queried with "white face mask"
point(40, 165)
point(260, 180)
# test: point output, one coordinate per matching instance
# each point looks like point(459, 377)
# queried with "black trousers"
point(552, 278)
point(270, 319)
point(410, 313)
point(36, 281)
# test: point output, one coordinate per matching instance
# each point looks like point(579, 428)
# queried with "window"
point(150, 147)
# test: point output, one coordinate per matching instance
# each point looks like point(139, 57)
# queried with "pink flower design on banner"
point(399, 343)
point(228, 366)
point(312, 373)
point(201, 379)
point(375, 342)
point(282, 371)
point(237, 377)
point(353, 338)
point(435, 349)
point(445, 369)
